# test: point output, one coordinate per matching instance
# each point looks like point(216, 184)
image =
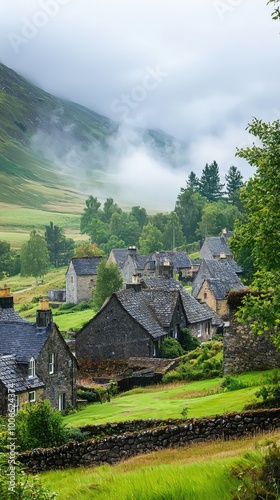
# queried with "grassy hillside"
point(52, 150)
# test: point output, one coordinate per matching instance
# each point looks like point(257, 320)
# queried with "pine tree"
point(233, 183)
point(210, 183)
point(193, 182)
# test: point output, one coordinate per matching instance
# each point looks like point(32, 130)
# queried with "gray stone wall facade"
point(78, 288)
point(63, 380)
point(113, 335)
point(244, 351)
point(114, 448)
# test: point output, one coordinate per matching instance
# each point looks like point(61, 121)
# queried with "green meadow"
point(198, 472)
point(200, 398)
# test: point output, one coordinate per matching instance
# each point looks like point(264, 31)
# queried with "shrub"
point(81, 306)
point(269, 393)
point(26, 486)
point(170, 348)
point(233, 384)
point(189, 342)
point(76, 434)
point(39, 425)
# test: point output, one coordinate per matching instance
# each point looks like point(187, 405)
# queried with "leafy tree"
point(140, 215)
point(34, 256)
point(217, 216)
point(210, 185)
point(88, 250)
point(170, 348)
point(150, 240)
point(39, 425)
point(189, 206)
point(92, 211)
point(60, 248)
point(9, 260)
point(125, 227)
point(276, 13)
point(109, 209)
point(259, 229)
point(108, 280)
point(173, 235)
point(193, 182)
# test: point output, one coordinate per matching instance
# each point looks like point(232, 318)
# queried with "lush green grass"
point(201, 398)
point(198, 472)
point(72, 321)
point(26, 218)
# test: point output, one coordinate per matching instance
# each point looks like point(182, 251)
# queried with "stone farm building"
point(34, 358)
point(81, 278)
point(134, 321)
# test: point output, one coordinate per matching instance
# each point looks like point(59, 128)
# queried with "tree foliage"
point(210, 184)
point(170, 348)
point(108, 280)
point(39, 425)
point(259, 228)
point(9, 260)
point(60, 248)
point(88, 250)
point(34, 256)
point(150, 240)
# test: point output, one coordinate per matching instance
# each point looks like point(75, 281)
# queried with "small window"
point(16, 403)
point(205, 295)
point(72, 279)
point(61, 402)
point(51, 363)
point(31, 368)
point(199, 331)
point(32, 397)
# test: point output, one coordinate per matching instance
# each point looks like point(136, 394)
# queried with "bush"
point(39, 425)
point(189, 342)
point(170, 348)
point(233, 384)
point(75, 434)
point(269, 393)
point(81, 306)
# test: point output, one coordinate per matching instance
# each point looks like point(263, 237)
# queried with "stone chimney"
point(134, 283)
point(132, 250)
point(44, 314)
point(6, 299)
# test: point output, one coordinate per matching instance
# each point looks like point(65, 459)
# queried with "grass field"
point(201, 398)
point(199, 472)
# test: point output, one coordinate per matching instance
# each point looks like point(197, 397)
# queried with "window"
point(32, 397)
point(205, 295)
point(176, 332)
point(31, 368)
point(199, 331)
point(72, 279)
point(16, 403)
point(155, 349)
point(61, 402)
point(51, 363)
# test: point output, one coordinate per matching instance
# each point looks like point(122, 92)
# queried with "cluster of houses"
point(35, 360)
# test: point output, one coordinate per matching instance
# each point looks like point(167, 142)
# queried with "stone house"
point(244, 351)
point(216, 247)
point(81, 278)
point(134, 321)
point(34, 358)
point(213, 282)
point(179, 260)
point(199, 318)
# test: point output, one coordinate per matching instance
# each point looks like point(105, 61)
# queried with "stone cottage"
point(216, 247)
point(134, 321)
point(213, 282)
point(180, 262)
point(35, 360)
point(244, 351)
point(81, 278)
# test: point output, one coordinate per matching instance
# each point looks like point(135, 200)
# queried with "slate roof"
point(120, 256)
point(10, 314)
point(214, 246)
point(224, 275)
point(23, 339)
point(180, 260)
point(85, 266)
point(194, 311)
point(140, 307)
point(11, 375)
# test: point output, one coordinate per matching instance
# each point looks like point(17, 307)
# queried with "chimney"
point(132, 250)
point(223, 255)
point(224, 232)
point(134, 284)
point(6, 299)
point(44, 314)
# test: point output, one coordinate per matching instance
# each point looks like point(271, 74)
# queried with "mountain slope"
point(55, 151)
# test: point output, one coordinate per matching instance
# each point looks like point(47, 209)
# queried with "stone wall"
point(113, 449)
point(244, 351)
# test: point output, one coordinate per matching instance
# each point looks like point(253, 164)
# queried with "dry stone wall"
point(112, 449)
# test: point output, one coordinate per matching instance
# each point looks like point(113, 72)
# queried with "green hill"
point(53, 150)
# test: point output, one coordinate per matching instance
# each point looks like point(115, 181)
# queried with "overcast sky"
point(199, 70)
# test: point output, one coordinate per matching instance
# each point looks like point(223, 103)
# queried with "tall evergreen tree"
point(234, 182)
point(193, 182)
point(210, 184)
